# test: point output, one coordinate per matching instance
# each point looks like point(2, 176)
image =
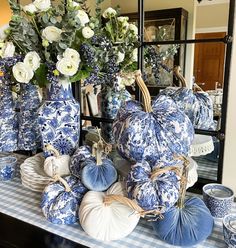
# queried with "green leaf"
point(45, 18)
point(79, 76)
point(41, 75)
point(53, 20)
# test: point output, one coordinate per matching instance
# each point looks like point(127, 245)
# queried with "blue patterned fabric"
point(187, 226)
point(155, 137)
point(80, 155)
point(29, 136)
point(159, 193)
point(59, 206)
point(7, 168)
point(98, 177)
point(59, 122)
point(197, 106)
point(111, 101)
point(8, 120)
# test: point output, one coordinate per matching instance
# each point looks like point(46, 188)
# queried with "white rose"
point(123, 18)
point(22, 72)
point(133, 28)
point(83, 17)
point(72, 55)
point(30, 8)
point(52, 33)
point(134, 57)
point(109, 12)
point(32, 60)
point(42, 5)
point(67, 67)
point(121, 57)
point(8, 50)
point(87, 32)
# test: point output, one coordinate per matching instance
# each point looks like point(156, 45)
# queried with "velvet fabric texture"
point(98, 177)
point(187, 226)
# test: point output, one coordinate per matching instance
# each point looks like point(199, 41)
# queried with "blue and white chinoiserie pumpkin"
point(185, 226)
point(153, 189)
point(60, 200)
point(98, 174)
point(154, 134)
point(79, 156)
point(56, 164)
point(198, 106)
point(107, 222)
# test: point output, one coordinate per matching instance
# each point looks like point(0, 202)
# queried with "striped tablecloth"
point(23, 204)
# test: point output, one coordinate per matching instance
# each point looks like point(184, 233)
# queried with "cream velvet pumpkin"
point(56, 164)
point(107, 222)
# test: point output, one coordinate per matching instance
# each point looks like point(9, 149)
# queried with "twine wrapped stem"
point(53, 150)
point(177, 73)
point(160, 171)
point(57, 178)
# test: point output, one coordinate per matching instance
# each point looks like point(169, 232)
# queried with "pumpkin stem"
point(97, 150)
point(144, 90)
point(183, 182)
point(160, 171)
point(51, 148)
point(177, 73)
point(108, 199)
point(57, 178)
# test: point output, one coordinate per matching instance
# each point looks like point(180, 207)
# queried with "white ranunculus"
point(123, 19)
point(42, 5)
point(30, 8)
point(32, 60)
point(8, 50)
point(72, 55)
point(134, 57)
point(87, 32)
point(52, 33)
point(22, 73)
point(83, 17)
point(109, 12)
point(67, 67)
point(133, 28)
point(121, 57)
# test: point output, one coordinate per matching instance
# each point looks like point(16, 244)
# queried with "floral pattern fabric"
point(160, 193)
point(59, 206)
point(155, 137)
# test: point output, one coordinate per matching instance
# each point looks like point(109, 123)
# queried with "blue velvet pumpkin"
point(98, 177)
point(154, 136)
point(160, 192)
point(185, 226)
point(60, 200)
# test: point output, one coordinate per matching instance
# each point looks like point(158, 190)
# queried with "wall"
point(5, 12)
point(91, 5)
point(190, 6)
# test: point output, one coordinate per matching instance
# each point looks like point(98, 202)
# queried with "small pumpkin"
point(153, 134)
point(153, 189)
point(80, 155)
point(187, 224)
point(99, 174)
point(60, 200)
point(56, 164)
point(107, 222)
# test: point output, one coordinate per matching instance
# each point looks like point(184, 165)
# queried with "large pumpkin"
point(158, 189)
point(154, 134)
point(197, 106)
point(188, 223)
point(107, 222)
point(60, 200)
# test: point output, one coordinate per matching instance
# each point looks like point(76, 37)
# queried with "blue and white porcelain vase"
point(8, 120)
point(29, 138)
point(111, 100)
point(59, 118)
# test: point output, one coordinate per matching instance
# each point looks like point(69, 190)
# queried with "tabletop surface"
point(23, 204)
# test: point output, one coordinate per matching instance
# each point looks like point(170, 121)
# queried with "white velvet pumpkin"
point(57, 164)
point(107, 222)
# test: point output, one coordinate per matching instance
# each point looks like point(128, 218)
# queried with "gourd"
point(197, 105)
point(60, 200)
point(56, 164)
point(153, 134)
point(187, 224)
point(79, 156)
point(153, 189)
point(109, 215)
point(98, 174)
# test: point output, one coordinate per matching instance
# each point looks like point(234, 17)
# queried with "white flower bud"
point(109, 12)
point(87, 32)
